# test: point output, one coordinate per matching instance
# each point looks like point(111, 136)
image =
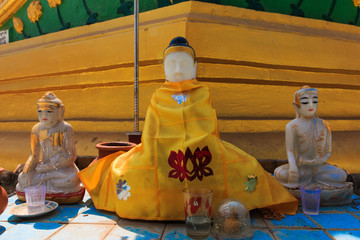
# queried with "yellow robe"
point(180, 148)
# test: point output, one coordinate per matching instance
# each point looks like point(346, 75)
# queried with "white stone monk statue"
point(308, 146)
point(53, 154)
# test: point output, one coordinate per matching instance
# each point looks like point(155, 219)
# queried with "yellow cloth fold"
point(180, 148)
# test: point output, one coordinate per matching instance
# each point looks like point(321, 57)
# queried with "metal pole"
point(136, 65)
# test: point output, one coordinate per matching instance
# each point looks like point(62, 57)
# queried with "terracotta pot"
point(107, 148)
point(3, 199)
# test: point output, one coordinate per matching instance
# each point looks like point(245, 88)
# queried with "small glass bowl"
point(232, 220)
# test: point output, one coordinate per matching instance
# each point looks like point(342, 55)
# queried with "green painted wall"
point(344, 10)
point(73, 11)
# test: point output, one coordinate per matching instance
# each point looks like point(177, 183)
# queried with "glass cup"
point(198, 212)
point(35, 198)
point(310, 199)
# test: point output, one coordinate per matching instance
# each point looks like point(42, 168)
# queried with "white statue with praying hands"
point(53, 155)
point(308, 147)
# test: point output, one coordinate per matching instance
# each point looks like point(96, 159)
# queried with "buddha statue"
point(180, 148)
point(179, 61)
point(308, 147)
point(53, 155)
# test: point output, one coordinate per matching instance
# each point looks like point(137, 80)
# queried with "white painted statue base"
point(330, 197)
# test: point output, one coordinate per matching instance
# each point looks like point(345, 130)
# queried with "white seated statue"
point(53, 155)
point(308, 147)
point(180, 148)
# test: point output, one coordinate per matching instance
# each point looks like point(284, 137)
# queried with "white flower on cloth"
point(122, 190)
point(180, 98)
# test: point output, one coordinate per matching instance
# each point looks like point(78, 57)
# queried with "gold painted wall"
point(252, 61)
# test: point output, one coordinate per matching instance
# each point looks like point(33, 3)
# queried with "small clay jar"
point(3, 200)
point(107, 148)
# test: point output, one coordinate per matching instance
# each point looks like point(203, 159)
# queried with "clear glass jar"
point(232, 220)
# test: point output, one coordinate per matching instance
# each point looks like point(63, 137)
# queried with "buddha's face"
point(49, 115)
point(308, 105)
point(179, 66)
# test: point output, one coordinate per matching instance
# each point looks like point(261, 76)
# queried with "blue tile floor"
point(83, 221)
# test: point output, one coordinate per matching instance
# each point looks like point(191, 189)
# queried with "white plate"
point(22, 211)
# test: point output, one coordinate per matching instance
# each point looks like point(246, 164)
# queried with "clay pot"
point(107, 148)
point(3, 199)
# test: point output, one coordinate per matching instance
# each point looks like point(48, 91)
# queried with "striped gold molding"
point(225, 126)
point(8, 8)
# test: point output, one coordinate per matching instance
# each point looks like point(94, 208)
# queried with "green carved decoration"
point(327, 17)
point(92, 15)
point(296, 11)
point(56, 4)
point(19, 26)
point(357, 5)
point(255, 5)
point(42, 12)
point(34, 12)
point(356, 18)
point(125, 8)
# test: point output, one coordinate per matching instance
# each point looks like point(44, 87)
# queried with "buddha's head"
point(306, 102)
point(50, 110)
point(179, 61)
